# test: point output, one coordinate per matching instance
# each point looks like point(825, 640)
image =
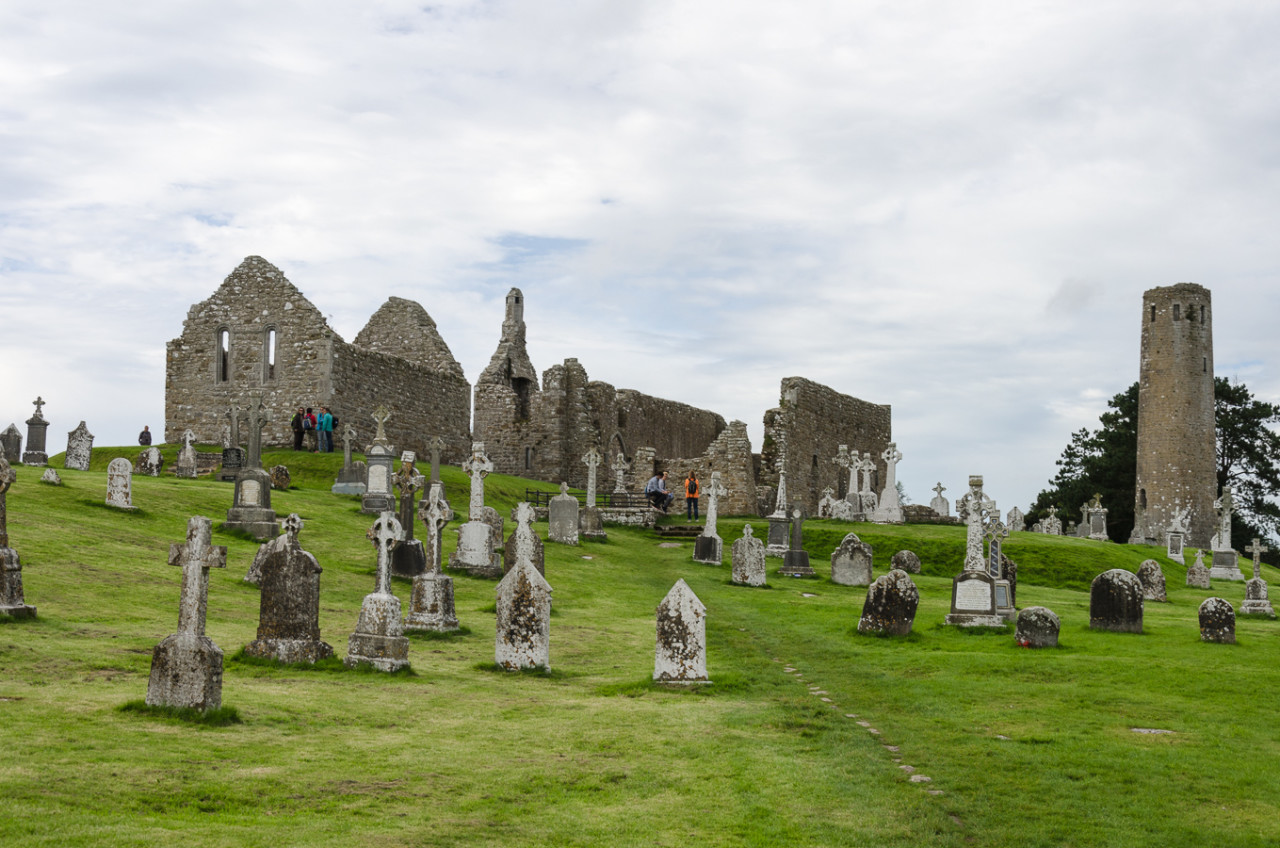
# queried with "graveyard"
point(806, 733)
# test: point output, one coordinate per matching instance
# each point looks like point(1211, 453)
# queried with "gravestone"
point(409, 559)
point(1197, 573)
point(11, 444)
point(12, 602)
point(590, 520)
point(747, 559)
point(1097, 516)
point(562, 517)
point(1152, 579)
point(795, 562)
point(1016, 521)
point(524, 543)
point(251, 505)
point(847, 463)
point(995, 567)
point(866, 500)
point(352, 479)
point(890, 606)
point(254, 574)
point(379, 638)
point(51, 477)
point(37, 431)
point(973, 590)
point(1226, 562)
point(120, 484)
point(1051, 526)
point(431, 606)
point(889, 511)
point(79, 449)
point(708, 548)
point(257, 417)
point(1256, 600)
point(476, 551)
point(1037, 628)
point(281, 480)
point(187, 465)
point(523, 634)
point(1173, 546)
point(1217, 621)
point(186, 668)
point(851, 562)
point(1010, 570)
point(233, 456)
point(681, 652)
point(1115, 602)
point(779, 540)
point(149, 463)
point(380, 455)
point(289, 610)
point(620, 468)
point(906, 561)
point(825, 502)
point(939, 504)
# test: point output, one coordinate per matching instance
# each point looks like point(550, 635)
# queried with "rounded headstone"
point(906, 561)
point(1037, 628)
point(280, 477)
point(1115, 602)
point(1217, 621)
point(890, 607)
point(1152, 578)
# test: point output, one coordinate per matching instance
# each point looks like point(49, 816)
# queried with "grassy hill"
point(809, 734)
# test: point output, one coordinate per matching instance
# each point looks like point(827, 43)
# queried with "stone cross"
point(1225, 506)
point(995, 532)
point(780, 502)
point(867, 467)
point(1257, 550)
point(592, 459)
point(620, 468)
point(385, 534)
point(715, 491)
point(435, 513)
point(349, 435)
point(292, 526)
point(974, 507)
point(939, 489)
point(258, 416)
point(849, 464)
point(437, 447)
point(380, 417)
point(891, 456)
point(39, 402)
point(196, 557)
point(477, 467)
point(408, 481)
point(188, 437)
point(233, 413)
point(7, 477)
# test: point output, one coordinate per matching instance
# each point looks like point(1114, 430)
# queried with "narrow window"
point(1153, 314)
point(1142, 498)
point(269, 355)
point(224, 355)
point(815, 460)
point(1177, 312)
point(1202, 315)
point(1204, 368)
point(528, 459)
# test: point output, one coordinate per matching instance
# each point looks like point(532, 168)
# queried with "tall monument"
point(1177, 480)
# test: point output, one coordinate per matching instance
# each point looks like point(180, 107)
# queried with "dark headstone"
point(1217, 621)
point(890, 606)
point(1037, 628)
point(906, 561)
point(289, 616)
point(795, 562)
point(11, 443)
point(232, 463)
point(1115, 602)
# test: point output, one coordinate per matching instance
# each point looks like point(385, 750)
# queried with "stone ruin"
point(851, 562)
point(562, 517)
point(150, 462)
point(1217, 621)
point(1152, 580)
point(379, 638)
point(747, 558)
point(186, 668)
point(681, 652)
point(79, 449)
point(523, 634)
point(476, 552)
point(289, 611)
point(524, 543)
point(1115, 602)
point(890, 605)
point(37, 432)
point(431, 605)
point(120, 484)
point(1037, 628)
point(708, 548)
point(12, 602)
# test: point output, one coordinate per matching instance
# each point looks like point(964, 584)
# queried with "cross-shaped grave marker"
point(1257, 549)
point(477, 467)
point(592, 459)
point(196, 556)
point(385, 534)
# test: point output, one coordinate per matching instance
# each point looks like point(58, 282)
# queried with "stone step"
point(679, 531)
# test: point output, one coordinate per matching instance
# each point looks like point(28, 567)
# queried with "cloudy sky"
point(952, 208)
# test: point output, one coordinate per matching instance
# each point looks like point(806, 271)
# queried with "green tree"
point(1248, 459)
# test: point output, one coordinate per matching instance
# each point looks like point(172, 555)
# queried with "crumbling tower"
point(1177, 456)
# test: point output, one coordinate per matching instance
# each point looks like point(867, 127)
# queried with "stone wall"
point(807, 428)
point(730, 454)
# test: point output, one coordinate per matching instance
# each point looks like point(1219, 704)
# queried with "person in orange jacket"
point(691, 492)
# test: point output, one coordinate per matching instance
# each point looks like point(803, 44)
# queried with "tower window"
point(1202, 315)
point(223, 355)
point(528, 459)
point(1205, 367)
point(1177, 312)
point(1153, 314)
point(269, 355)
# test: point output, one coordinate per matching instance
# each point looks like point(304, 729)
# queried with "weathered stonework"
point(1037, 628)
point(681, 652)
point(12, 602)
point(1115, 602)
point(79, 448)
point(1177, 477)
point(1152, 579)
point(906, 561)
point(748, 561)
point(379, 638)
point(890, 606)
point(398, 359)
point(1217, 621)
point(523, 633)
point(289, 611)
point(851, 562)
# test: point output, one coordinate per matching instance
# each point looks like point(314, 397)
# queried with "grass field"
point(809, 734)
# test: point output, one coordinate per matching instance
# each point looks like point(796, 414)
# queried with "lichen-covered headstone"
point(12, 602)
point(890, 606)
point(379, 638)
point(187, 465)
point(795, 562)
point(51, 477)
point(477, 543)
point(1037, 628)
point(353, 477)
point(11, 444)
point(562, 517)
point(79, 448)
point(524, 542)
point(289, 611)
point(681, 652)
point(906, 561)
point(888, 510)
point(523, 633)
point(186, 668)
point(851, 562)
point(1115, 602)
point(281, 479)
point(747, 556)
point(1197, 573)
point(251, 505)
point(1256, 601)
point(1152, 579)
point(1016, 520)
point(974, 601)
point(120, 484)
point(1217, 621)
point(431, 606)
point(708, 548)
point(149, 463)
point(940, 505)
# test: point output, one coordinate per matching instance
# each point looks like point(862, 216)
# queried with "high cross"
point(592, 459)
point(385, 534)
point(39, 402)
point(477, 467)
point(196, 556)
point(1257, 549)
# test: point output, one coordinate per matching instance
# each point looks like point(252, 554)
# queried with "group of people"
point(317, 429)
point(660, 499)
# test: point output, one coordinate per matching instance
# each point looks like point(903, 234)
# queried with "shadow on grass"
point(913, 636)
point(1003, 630)
point(94, 503)
point(329, 665)
point(725, 683)
point(237, 533)
point(6, 618)
point(220, 717)
point(730, 582)
point(539, 671)
point(437, 635)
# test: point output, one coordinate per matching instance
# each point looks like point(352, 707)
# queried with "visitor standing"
point(295, 424)
point(691, 492)
point(144, 438)
point(325, 425)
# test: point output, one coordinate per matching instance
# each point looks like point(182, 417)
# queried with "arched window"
point(269, 355)
point(222, 355)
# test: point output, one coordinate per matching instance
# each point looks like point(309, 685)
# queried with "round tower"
point(1177, 450)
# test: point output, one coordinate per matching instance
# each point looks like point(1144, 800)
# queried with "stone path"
point(822, 694)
